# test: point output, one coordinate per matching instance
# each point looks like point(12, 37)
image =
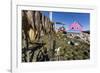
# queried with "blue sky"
point(69, 17)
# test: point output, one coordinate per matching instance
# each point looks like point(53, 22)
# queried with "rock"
point(57, 50)
point(71, 43)
point(76, 44)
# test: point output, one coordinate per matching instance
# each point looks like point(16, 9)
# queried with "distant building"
point(62, 29)
point(75, 26)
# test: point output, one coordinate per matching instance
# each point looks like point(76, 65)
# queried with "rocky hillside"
point(82, 36)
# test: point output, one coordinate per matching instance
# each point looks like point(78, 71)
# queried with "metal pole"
point(50, 15)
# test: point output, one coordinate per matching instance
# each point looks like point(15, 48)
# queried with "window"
point(72, 27)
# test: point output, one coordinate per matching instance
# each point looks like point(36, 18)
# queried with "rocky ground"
point(58, 47)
